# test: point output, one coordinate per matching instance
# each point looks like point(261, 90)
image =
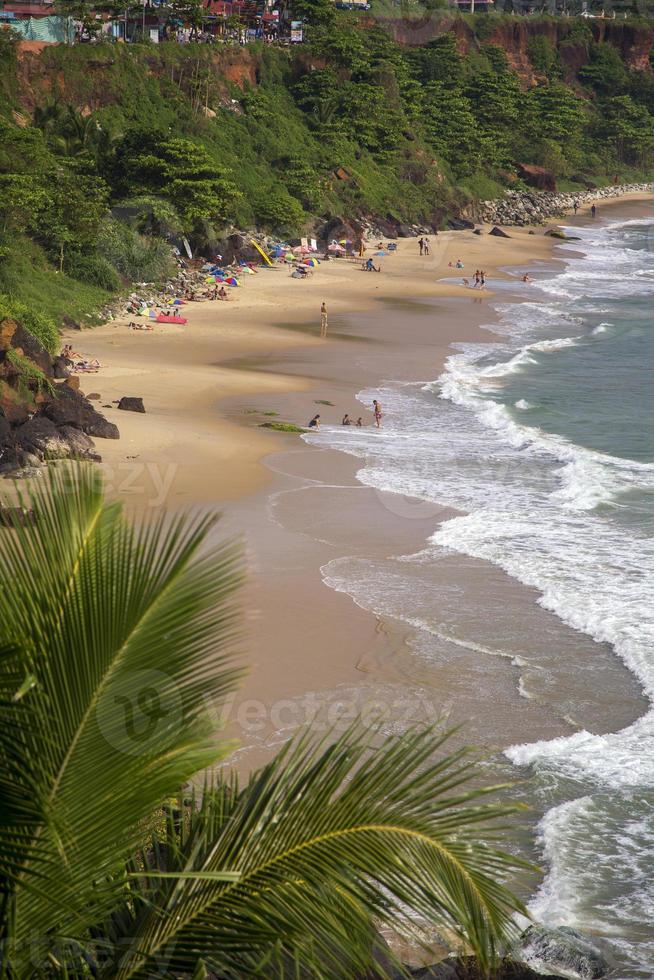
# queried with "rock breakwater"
point(532, 207)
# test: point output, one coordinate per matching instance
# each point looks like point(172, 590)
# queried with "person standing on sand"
point(376, 407)
point(575, 206)
point(426, 246)
point(482, 278)
point(421, 245)
point(593, 211)
point(323, 319)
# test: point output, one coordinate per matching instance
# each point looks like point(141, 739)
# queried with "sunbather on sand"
point(87, 366)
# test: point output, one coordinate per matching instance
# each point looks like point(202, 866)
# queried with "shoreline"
point(260, 477)
point(185, 375)
point(317, 655)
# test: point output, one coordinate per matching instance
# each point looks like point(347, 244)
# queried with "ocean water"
point(543, 440)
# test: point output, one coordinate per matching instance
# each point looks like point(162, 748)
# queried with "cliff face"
point(633, 41)
point(98, 78)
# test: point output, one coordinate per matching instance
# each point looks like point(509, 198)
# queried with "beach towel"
point(167, 318)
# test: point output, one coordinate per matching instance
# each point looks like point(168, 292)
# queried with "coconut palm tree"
point(114, 642)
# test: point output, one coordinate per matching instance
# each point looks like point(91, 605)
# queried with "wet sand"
point(315, 656)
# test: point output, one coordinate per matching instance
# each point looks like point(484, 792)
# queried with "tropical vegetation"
point(108, 152)
point(118, 859)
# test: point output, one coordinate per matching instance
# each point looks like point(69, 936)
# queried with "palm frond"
point(325, 839)
point(129, 635)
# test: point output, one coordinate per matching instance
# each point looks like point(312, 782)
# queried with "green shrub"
point(543, 55)
point(94, 269)
point(136, 257)
point(280, 212)
point(38, 324)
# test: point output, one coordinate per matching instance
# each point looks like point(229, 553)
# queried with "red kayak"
point(162, 318)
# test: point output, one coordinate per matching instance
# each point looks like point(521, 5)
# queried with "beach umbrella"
point(232, 281)
point(335, 247)
point(289, 258)
point(302, 249)
point(250, 272)
point(345, 241)
point(312, 262)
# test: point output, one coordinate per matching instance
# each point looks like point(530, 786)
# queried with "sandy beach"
point(314, 655)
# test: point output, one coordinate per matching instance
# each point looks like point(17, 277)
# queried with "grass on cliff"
point(27, 277)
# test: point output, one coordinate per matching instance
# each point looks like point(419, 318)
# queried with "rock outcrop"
point(539, 177)
point(562, 952)
point(43, 414)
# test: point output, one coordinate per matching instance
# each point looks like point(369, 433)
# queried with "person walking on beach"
point(575, 206)
point(482, 278)
point(426, 246)
point(376, 407)
point(593, 211)
point(477, 278)
point(323, 319)
point(421, 245)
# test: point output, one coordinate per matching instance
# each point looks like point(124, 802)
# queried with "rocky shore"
point(43, 413)
point(534, 207)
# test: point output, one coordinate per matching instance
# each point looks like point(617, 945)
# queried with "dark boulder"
point(5, 431)
point(404, 231)
point(131, 405)
point(61, 368)
point(498, 233)
point(79, 444)
point(460, 224)
point(478, 231)
point(68, 407)
point(538, 177)
point(70, 324)
point(465, 968)
point(39, 436)
point(562, 951)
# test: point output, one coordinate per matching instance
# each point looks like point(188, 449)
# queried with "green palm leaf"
point(127, 634)
point(324, 839)
point(111, 640)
